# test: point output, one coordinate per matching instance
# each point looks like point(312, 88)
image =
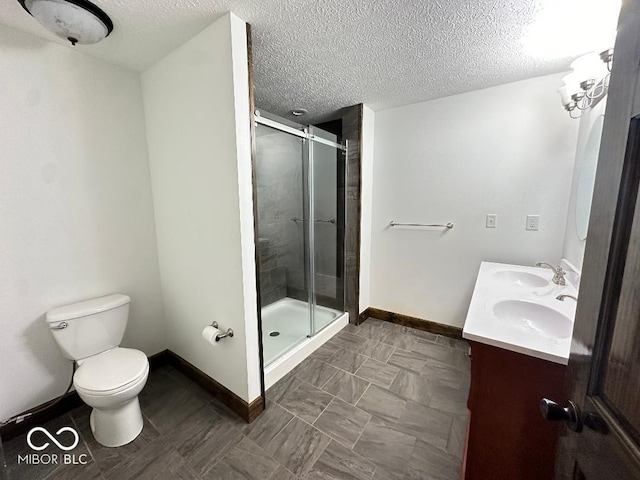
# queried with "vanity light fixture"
point(587, 83)
point(607, 57)
point(78, 21)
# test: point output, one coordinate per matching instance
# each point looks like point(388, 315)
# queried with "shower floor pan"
point(285, 330)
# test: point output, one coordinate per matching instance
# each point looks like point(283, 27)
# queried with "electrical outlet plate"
point(533, 222)
point(492, 220)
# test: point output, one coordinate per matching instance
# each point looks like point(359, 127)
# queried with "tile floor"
point(377, 402)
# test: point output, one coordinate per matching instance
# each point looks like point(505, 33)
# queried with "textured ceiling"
point(327, 54)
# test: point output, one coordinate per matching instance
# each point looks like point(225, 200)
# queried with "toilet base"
point(115, 427)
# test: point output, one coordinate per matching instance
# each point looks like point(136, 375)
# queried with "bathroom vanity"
point(507, 438)
point(520, 336)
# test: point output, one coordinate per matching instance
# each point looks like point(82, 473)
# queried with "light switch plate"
point(492, 220)
point(532, 222)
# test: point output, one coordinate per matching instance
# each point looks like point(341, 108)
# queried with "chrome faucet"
point(558, 273)
point(564, 295)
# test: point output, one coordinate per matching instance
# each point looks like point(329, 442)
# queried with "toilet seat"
point(111, 372)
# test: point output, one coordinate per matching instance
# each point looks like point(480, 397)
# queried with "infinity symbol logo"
point(46, 444)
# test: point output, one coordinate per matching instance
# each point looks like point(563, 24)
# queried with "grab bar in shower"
point(442, 225)
point(331, 220)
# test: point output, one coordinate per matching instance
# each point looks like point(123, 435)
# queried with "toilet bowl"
point(110, 383)
point(109, 377)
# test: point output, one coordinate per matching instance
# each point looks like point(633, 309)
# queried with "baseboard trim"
point(248, 411)
point(67, 403)
point(159, 360)
point(413, 322)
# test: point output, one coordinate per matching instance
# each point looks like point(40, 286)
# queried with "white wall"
point(76, 215)
point(366, 177)
point(197, 112)
point(574, 246)
point(507, 150)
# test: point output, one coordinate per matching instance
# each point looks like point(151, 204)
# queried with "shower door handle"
point(331, 220)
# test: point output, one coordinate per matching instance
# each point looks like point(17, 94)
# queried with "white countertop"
point(482, 325)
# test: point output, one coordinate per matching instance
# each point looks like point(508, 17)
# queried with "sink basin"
point(522, 279)
point(529, 315)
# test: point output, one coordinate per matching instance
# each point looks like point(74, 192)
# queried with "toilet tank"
point(92, 326)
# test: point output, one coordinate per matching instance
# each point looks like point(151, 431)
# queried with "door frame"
point(623, 104)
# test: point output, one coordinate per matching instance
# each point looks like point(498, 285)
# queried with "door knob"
point(553, 412)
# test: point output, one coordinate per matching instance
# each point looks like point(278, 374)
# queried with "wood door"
point(604, 367)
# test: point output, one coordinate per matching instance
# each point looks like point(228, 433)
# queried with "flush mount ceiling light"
point(78, 21)
point(298, 112)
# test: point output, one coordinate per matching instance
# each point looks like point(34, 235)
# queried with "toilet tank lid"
point(88, 307)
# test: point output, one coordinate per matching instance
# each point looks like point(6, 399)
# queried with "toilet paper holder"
point(220, 336)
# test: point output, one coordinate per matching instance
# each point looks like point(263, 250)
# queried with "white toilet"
point(108, 378)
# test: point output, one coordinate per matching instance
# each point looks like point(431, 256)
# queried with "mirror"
point(587, 178)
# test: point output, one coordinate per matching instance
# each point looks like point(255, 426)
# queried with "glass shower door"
point(282, 239)
point(300, 200)
point(326, 181)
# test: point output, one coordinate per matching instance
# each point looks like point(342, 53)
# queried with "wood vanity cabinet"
point(507, 437)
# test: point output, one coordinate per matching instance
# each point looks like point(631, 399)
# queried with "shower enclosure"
point(300, 197)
